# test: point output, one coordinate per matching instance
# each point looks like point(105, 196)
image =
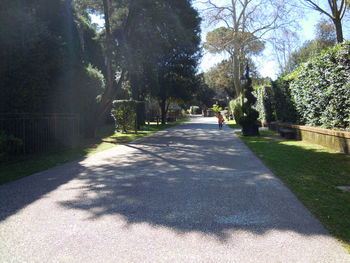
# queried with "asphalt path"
point(191, 193)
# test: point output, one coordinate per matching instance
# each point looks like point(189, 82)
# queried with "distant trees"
point(325, 37)
point(336, 11)
point(52, 59)
point(220, 78)
point(246, 23)
point(152, 44)
point(204, 94)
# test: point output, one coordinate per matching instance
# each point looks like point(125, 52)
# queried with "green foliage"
point(124, 114)
point(195, 110)
point(86, 105)
point(249, 119)
point(216, 108)
point(265, 103)
point(9, 144)
point(325, 37)
point(219, 78)
point(321, 89)
point(236, 108)
point(283, 107)
point(223, 39)
point(204, 94)
point(45, 54)
point(140, 113)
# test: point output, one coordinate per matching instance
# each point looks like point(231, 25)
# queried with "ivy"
point(320, 89)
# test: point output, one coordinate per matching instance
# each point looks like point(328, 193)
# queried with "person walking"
point(220, 120)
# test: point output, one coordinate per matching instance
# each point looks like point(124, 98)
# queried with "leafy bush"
point(320, 89)
point(283, 107)
point(140, 113)
point(195, 110)
point(236, 108)
point(249, 119)
point(124, 114)
point(9, 144)
point(216, 108)
point(265, 103)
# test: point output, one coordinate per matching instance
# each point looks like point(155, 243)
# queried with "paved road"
point(191, 193)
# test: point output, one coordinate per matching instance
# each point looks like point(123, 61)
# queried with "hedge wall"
point(320, 89)
point(128, 114)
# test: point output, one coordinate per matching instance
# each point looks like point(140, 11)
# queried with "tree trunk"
point(107, 100)
point(109, 93)
point(109, 73)
point(163, 110)
point(236, 75)
point(339, 30)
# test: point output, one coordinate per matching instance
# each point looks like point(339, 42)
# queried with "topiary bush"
point(320, 89)
point(249, 120)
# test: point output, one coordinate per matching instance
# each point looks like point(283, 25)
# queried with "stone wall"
point(336, 140)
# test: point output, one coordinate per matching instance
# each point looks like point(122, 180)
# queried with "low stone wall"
point(336, 140)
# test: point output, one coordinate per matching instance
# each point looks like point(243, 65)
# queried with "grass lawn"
point(106, 139)
point(312, 173)
point(232, 124)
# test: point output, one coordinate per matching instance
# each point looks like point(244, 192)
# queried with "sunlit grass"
point(106, 139)
point(232, 124)
point(312, 173)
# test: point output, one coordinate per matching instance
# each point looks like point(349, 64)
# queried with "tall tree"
point(239, 47)
point(246, 21)
point(114, 15)
point(336, 11)
point(161, 49)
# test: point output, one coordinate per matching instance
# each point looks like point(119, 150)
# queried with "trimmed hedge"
point(128, 114)
point(236, 108)
point(320, 89)
point(265, 102)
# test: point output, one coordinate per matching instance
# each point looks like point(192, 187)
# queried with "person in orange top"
point(220, 120)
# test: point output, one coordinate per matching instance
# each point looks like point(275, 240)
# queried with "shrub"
point(283, 107)
point(216, 108)
point(124, 114)
point(9, 144)
point(320, 88)
point(265, 103)
point(249, 120)
point(195, 110)
point(236, 108)
point(140, 113)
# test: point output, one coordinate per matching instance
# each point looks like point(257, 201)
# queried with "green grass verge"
point(106, 139)
point(312, 173)
point(232, 124)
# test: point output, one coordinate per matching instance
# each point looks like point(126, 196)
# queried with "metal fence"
point(34, 133)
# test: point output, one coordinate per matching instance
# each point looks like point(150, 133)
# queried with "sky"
point(266, 63)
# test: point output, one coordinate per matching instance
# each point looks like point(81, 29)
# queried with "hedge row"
point(274, 102)
point(320, 89)
point(316, 94)
point(128, 114)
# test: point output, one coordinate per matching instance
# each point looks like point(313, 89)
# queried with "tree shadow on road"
point(191, 182)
